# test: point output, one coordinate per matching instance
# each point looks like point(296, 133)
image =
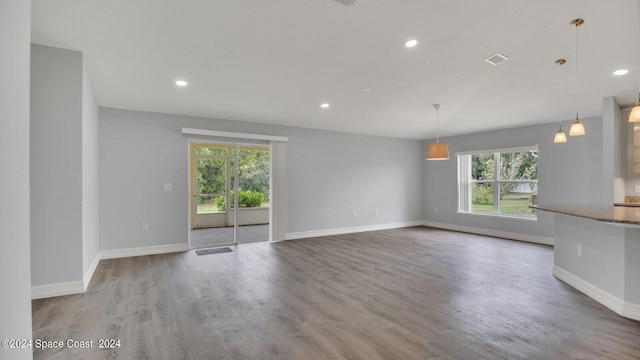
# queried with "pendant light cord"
point(577, 128)
point(577, 78)
point(559, 74)
point(560, 62)
point(576, 23)
point(437, 107)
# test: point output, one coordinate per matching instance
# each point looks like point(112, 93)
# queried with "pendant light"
point(437, 151)
point(634, 116)
point(577, 128)
point(560, 136)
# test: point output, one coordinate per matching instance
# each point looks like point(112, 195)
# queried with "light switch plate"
point(168, 186)
point(579, 250)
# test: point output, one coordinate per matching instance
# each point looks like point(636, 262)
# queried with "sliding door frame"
point(277, 150)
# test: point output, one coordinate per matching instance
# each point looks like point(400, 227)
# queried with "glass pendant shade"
point(560, 137)
point(438, 151)
point(577, 128)
point(634, 116)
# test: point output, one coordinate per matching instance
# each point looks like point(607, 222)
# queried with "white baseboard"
point(58, 289)
point(92, 269)
point(631, 310)
point(489, 232)
point(79, 287)
point(349, 230)
point(143, 251)
point(605, 298)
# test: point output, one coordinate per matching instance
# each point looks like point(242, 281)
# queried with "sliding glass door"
point(220, 215)
point(253, 173)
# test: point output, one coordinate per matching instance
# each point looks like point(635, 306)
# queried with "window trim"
point(465, 182)
point(507, 149)
point(500, 216)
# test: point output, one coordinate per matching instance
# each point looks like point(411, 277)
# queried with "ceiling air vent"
point(346, 2)
point(496, 59)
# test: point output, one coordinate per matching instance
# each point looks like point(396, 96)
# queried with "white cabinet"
point(630, 146)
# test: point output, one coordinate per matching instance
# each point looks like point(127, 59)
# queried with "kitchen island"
point(597, 251)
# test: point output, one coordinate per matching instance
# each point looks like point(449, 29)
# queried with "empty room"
point(320, 179)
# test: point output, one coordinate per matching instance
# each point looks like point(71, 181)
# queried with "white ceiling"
point(275, 61)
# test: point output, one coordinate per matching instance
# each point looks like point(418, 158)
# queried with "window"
point(500, 182)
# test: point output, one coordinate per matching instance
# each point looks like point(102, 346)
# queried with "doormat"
point(213, 251)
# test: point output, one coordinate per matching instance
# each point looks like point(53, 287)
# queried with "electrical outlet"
point(168, 186)
point(377, 212)
point(354, 213)
point(637, 189)
point(579, 250)
point(145, 226)
point(435, 209)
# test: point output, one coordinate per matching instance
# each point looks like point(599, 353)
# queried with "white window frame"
point(465, 182)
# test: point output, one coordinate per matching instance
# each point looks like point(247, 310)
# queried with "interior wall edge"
point(349, 230)
point(543, 240)
point(79, 287)
point(614, 303)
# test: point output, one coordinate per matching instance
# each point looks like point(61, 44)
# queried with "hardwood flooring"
point(212, 237)
point(413, 293)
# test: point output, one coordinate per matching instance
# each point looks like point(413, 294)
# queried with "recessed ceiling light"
point(411, 43)
point(181, 83)
point(621, 72)
point(324, 105)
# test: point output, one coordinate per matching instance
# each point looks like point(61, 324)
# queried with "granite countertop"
point(613, 214)
point(629, 204)
point(629, 200)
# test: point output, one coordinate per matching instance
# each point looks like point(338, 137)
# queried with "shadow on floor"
point(211, 237)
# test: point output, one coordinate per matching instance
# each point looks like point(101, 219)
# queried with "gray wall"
point(632, 270)
point(90, 211)
point(15, 278)
point(603, 247)
point(611, 156)
point(56, 165)
point(567, 173)
point(329, 175)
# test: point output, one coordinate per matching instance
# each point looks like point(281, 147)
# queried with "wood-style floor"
point(220, 236)
point(413, 293)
